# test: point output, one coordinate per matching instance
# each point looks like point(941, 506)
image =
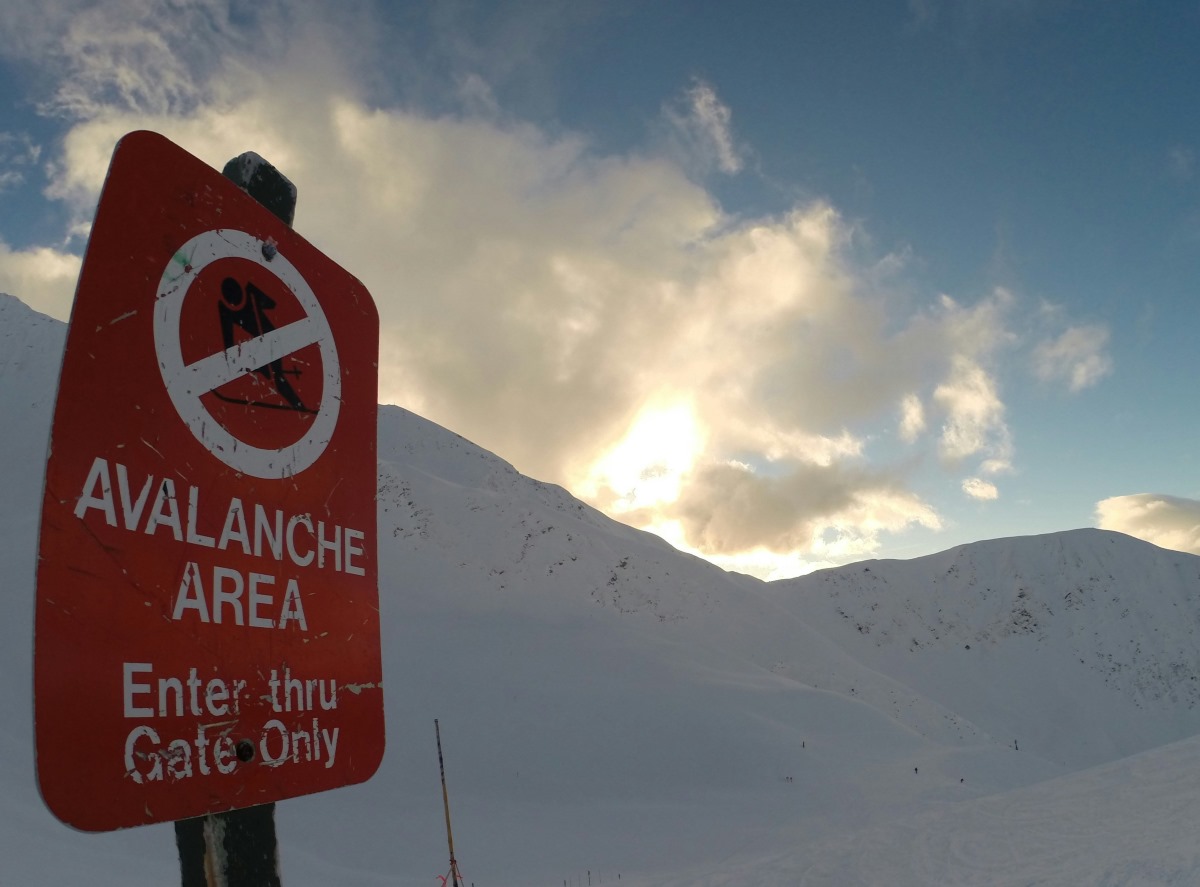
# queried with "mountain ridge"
point(1118, 611)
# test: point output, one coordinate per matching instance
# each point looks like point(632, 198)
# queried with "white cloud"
point(1076, 358)
point(42, 277)
point(979, 331)
point(140, 57)
point(971, 338)
point(1166, 521)
point(704, 126)
point(978, 488)
point(19, 153)
point(974, 414)
point(996, 466)
point(912, 418)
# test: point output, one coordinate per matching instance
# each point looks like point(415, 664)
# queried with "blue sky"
point(791, 283)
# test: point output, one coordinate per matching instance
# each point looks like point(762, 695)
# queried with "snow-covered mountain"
point(1080, 646)
point(612, 706)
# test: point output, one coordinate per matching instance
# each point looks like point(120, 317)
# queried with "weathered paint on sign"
point(207, 624)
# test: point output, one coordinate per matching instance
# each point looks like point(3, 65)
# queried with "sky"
point(791, 284)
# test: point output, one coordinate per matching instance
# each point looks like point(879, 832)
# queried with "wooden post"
point(238, 848)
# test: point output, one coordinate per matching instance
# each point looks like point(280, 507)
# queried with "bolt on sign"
point(207, 617)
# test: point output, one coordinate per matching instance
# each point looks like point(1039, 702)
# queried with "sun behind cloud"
point(595, 317)
point(647, 468)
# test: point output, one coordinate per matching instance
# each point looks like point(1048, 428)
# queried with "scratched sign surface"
point(207, 622)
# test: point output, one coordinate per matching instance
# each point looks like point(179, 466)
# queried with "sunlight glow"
point(647, 467)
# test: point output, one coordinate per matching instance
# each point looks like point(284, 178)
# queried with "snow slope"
point(611, 705)
point(1082, 646)
point(1131, 822)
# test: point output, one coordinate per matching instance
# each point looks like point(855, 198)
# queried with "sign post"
point(238, 848)
point(207, 624)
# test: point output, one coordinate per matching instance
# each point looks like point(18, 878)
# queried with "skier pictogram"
point(266, 345)
point(246, 308)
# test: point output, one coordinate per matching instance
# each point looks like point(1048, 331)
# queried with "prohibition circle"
point(186, 383)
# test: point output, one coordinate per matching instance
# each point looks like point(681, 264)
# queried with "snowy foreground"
point(1018, 711)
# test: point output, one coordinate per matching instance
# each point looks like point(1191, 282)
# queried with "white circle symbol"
point(187, 383)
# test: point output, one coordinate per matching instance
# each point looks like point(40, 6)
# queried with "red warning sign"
point(207, 621)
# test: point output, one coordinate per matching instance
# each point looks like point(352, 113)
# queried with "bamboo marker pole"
point(457, 881)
